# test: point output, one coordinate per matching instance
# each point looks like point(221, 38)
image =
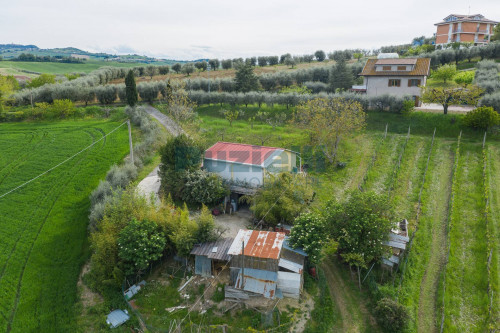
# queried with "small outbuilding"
point(117, 317)
point(211, 256)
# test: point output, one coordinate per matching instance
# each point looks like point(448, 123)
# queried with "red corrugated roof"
point(240, 153)
point(259, 244)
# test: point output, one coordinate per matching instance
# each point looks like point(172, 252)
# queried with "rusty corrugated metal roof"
point(260, 244)
point(422, 68)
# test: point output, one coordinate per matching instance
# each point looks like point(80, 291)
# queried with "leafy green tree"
point(341, 77)
point(308, 232)
point(391, 316)
point(245, 79)
point(201, 65)
point(482, 118)
point(273, 60)
point(214, 64)
point(358, 56)
point(42, 80)
point(360, 225)
point(496, 34)
point(448, 96)
point(163, 70)
point(281, 199)
point(464, 78)
point(131, 89)
point(140, 243)
point(151, 71)
point(201, 187)
point(231, 115)
point(262, 61)
point(328, 120)
point(206, 231)
point(177, 68)
point(445, 72)
point(180, 154)
point(290, 61)
point(188, 68)
point(106, 94)
point(227, 64)
point(283, 57)
point(62, 108)
point(320, 55)
point(308, 57)
point(8, 84)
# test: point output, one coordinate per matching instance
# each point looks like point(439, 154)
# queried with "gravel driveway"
point(151, 184)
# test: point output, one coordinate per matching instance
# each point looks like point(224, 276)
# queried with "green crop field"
point(43, 225)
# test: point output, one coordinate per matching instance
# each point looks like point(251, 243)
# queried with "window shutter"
point(409, 83)
point(389, 84)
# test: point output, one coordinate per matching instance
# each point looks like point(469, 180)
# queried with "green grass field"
point(17, 67)
point(466, 297)
point(43, 225)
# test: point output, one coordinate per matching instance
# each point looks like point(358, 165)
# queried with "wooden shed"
point(211, 256)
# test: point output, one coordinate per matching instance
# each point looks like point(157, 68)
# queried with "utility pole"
point(208, 76)
point(130, 142)
point(242, 264)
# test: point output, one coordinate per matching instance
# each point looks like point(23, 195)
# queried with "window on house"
point(414, 82)
point(394, 83)
point(401, 68)
point(386, 68)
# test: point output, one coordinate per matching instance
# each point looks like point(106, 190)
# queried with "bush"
point(391, 316)
point(201, 187)
point(481, 118)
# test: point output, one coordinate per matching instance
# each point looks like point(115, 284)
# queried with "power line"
point(58, 165)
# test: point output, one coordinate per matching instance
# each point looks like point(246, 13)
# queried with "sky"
point(195, 29)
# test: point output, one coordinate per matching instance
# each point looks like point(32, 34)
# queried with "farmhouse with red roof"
point(247, 165)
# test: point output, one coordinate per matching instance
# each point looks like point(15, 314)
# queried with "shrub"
point(308, 232)
point(391, 316)
point(481, 118)
point(201, 187)
point(140, 243)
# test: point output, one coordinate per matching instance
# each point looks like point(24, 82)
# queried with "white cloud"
point(192, 29)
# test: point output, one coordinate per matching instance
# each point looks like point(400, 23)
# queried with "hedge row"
point(384, 102)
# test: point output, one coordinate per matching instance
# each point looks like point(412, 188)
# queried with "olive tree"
point(328, 120)
point(320, 55)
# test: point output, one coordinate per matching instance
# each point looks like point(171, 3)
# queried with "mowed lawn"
point(43, 225)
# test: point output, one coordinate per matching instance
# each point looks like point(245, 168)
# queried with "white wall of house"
point(379, 85)
point(251, 174)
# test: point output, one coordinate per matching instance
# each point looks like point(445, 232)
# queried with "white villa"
point(395, 76)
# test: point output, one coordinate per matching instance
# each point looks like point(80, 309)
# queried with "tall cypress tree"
point(130, 89)
point(341, 76)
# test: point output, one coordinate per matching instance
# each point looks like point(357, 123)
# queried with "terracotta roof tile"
point(396, 61)
point(422, 68)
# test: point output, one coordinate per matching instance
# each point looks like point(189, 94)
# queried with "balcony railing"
point(457, 30)
point(483, 31)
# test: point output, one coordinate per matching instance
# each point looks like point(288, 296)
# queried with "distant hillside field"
point(43, 225)
point(17, 67)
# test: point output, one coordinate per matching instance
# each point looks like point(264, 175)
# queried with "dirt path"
point(440, 185)
point(355, 315)
point(151, 184)
point(171, 126)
